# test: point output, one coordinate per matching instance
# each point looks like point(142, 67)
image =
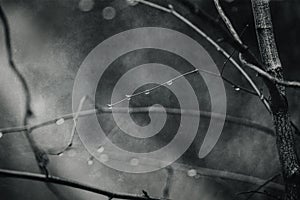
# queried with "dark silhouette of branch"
point(269, 54)
point(205, 172)
point(283, 128)
point(70, 183)
point(252, 192)
point(273, 77)
point(170, 9)
point(174, 111)
point(227, 22)
point(265, 193)
point(266, 75)
point(168, 185)
point(40, 156)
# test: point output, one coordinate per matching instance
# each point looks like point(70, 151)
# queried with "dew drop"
point(60, 121)
point(171, 7)
point(132, 2)
point(109, 106)
point(60, 154)
point(169, 82)
point(1, 134)
point(90, 162)
point(100, 149)
point(237, 89)
point(192, 173)
point(147, 92)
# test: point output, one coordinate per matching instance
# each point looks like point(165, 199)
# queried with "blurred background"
point(50, 40)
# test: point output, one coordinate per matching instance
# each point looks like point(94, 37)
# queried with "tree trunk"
point(281, 118)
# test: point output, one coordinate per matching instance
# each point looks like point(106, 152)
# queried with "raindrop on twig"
point(60, 121)
point(169, 82)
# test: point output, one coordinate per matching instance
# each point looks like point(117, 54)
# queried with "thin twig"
point(39, 154)
point(172, 11)
point(70, 183)
point(75, 118)
point(262, 193)
point(169, 182)
point(174, 111)
point(227, 22)
point(267, 75)
point(252, 192)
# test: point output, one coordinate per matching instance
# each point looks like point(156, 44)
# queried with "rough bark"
point(281, 118)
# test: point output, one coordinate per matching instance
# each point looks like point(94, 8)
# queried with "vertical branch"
point(284, 132)
point(168, 185)
point(40, 155)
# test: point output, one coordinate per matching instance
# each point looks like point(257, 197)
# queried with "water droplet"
point(128, 96)
point(169, 82)
point(104, 158)
point(132, 2)
point(147, 92)
point(109, 106)
point(237, 88)
point(1, 134)
point(90, 162)
point(100, 149)
point(60, 154)
point(60, 121)
point(134, 162)
point(192, 173)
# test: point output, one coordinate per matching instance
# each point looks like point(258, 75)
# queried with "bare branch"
point(262, 193)
point(267, 75)
point(75, 118)
point(227, 22)
point(174, 111)
point(40, 156)
point(260, 71)
point(70, 183)
point(172, 11)
point(283, 128)
point(213, 173)
point(169, 182)
point(205, 172)
point(252, 192)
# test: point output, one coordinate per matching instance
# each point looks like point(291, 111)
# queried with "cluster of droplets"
point(128, 97)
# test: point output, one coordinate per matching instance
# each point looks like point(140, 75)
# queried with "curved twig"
point(70, 183)
point(266, 75)
point(262, 193)
point(252, 192)
point(172, 11)
point(39, 154)
point(174, 111)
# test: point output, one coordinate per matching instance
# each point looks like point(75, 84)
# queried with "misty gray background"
point(50, 40)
